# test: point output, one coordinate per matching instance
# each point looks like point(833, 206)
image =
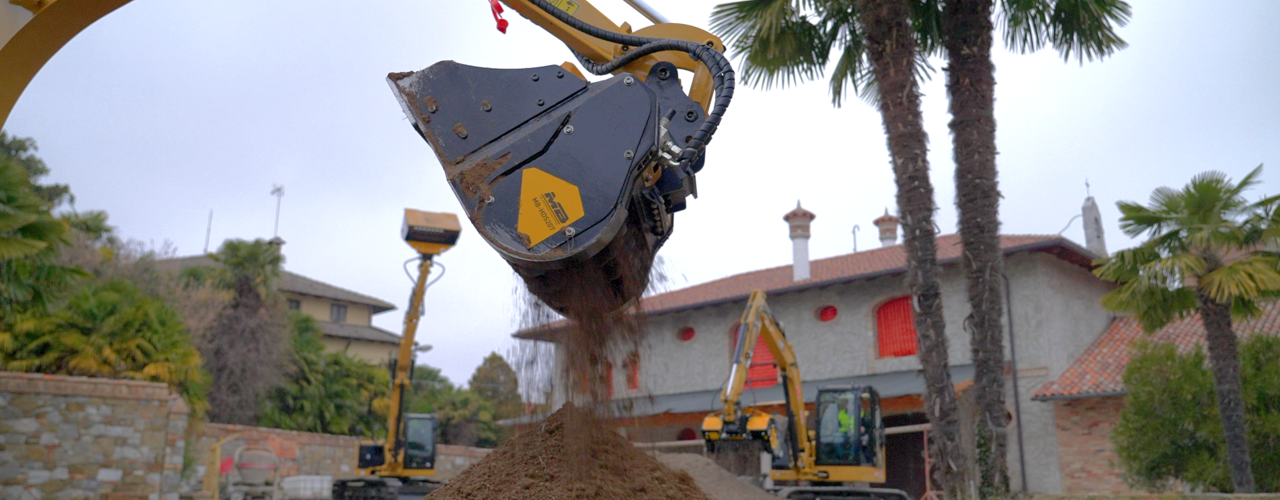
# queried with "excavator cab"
point(420, 440)
point(850, 431)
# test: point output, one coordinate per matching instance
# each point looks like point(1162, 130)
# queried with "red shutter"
point(608, 379)
point(633, 373)
point(896, 329)
point(763, 370)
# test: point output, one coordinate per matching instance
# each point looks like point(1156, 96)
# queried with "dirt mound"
point(717, 483)
point(571, 455)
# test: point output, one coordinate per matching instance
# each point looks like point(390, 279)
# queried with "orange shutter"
point(896, 329)
point(763, 370)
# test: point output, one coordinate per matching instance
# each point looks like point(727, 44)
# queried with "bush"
point(1170, 431)
point(107, 329)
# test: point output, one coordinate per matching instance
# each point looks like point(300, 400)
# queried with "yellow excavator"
point(836, 460)
point(405, 461)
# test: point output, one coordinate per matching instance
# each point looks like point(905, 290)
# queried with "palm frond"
point(1085, 29)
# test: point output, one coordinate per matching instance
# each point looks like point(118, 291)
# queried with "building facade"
point(849, 320)
point(345, 317)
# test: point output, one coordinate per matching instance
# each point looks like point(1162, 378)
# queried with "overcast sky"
point(163, 111)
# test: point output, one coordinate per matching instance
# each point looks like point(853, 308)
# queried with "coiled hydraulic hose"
point(717, 63)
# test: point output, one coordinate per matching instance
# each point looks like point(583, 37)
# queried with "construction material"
point(570, 455)
point(717, 483)
point(307, 487)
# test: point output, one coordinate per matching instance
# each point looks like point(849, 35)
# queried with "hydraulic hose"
point(717, 63)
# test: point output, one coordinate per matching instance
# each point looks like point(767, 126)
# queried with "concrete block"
point(110, 475)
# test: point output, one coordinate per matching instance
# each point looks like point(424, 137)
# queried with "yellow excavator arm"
point(849, 444)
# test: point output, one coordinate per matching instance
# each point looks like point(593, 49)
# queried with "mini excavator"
point(832, 462)
point(574, 182)
point(405, 461)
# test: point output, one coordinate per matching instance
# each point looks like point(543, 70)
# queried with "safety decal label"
point(547, 205)
point(569, 6)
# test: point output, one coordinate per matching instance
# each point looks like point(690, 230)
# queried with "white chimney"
point(888, 226)
point(1093, 237)
point(799, 220)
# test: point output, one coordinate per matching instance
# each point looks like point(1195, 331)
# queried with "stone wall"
point(73, 438)
point(1084, 445)
point(67, 438)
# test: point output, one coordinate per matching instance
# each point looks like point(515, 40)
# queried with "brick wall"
point(299, 453)
point(68, 438)
point(1085, 452)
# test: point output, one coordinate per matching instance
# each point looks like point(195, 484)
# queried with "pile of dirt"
point(717, 483)
point(571, 455)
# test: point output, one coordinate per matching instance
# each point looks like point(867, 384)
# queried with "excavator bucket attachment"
point(572, 182)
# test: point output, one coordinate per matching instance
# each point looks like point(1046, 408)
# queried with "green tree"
point(329, 393)
point(30, 237)
point(22, 152)
point(496, 381)
point(245, 350)
point(107, 329)
point(466, 417)
point(1170, 428)
point(1204, 253)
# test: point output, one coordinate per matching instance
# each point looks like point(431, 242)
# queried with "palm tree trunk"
point(892, 52)
point(1224, 358)
point(967, 31)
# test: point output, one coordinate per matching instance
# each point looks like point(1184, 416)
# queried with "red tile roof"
point(839, 269)
point(1099, 371)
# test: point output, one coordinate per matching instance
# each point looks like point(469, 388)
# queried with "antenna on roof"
point(855, 238)
point(277, 191)
point(208, 229)
point(1086, 188)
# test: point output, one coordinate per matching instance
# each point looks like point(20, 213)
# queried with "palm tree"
point(29, 239)
point(1085, 29)
point(107, 329)
point(1205, 252)
point(783, 41)
point(880, 43)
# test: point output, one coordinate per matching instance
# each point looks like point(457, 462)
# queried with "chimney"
point(1093, 237)
point(276, 243)
point(799, 220)
point(888, 225)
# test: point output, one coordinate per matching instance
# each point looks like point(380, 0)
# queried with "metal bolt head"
point(559, 74)
point(628, 80)
point(489, 200)
point(568, 129)
point(485, 106)
point(541, 102)
point(535, 77)
point(568, 231)
point(663, 73)
point(628, 154)
point(690, 115)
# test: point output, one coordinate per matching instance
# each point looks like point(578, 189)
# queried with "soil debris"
point(571, 455)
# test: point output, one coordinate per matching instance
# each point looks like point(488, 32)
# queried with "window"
point(338, 313)
point(686, 334)
point(827, 313)
point(896, 329)
point(608, 380)
point(294, 305)
point(763, 370)
point(687, 434)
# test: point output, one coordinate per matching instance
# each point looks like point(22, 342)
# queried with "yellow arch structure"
point(32, 31)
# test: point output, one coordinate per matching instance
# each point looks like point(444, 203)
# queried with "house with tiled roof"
point(344, 316)
point(850, 320)
point(1088, 396)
